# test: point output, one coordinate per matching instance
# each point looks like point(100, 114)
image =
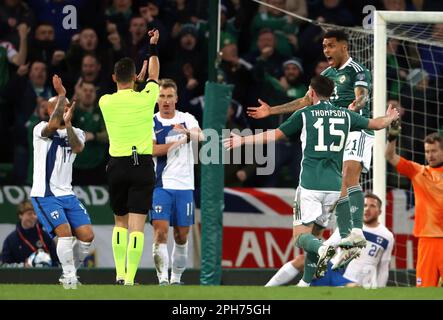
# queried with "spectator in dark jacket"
point(28, 237)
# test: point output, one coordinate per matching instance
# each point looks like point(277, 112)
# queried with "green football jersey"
point(94, 152)
point(346, 79)
point(324, 129)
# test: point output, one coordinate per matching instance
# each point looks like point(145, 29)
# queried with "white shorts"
point(359, 148)
point(313, 207)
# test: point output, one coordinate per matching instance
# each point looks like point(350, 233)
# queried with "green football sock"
point(308, 242)
point(119, 246)
point(357, 203)
point(343, 213)
point(310, 267)
point(135, 250)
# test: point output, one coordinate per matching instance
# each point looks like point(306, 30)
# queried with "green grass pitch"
point(151, 292)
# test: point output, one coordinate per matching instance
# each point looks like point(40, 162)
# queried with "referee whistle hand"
point(153, 36)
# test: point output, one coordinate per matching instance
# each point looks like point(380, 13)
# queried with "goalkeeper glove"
point(394, 130)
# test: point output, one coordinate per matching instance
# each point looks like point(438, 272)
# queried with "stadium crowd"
point(266, 54)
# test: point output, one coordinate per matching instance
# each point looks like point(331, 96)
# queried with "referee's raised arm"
point(128, 117)
point(154, 64)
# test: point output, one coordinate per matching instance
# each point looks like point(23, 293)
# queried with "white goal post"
point(381, 18)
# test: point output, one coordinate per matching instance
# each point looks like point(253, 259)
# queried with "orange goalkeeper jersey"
point(428, 190)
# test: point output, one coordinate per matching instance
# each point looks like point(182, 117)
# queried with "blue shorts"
point(332, 278)
point(54, 211)
point(175, 206)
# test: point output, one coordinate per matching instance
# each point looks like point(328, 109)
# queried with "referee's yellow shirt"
point(128, 117)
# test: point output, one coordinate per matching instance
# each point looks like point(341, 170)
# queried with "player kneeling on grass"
point(324, 129)
point(56, 144)
point(370, 270)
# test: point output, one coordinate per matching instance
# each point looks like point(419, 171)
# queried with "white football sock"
point(285, 274)
point(66, 255)
point(161, 260)
point(81, 251)
point(179, 259)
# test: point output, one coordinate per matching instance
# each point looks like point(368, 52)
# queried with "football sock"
point(81, 251)
point(285, 274)
point(356, 203)
point(308, 242)
point(343, 213)
point(119, 247)
point(134, 254)
point(179, 258)
point(161, 260)
point(310, 267)
point(66, 255)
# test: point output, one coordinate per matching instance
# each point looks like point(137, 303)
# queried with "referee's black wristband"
point(152, 50)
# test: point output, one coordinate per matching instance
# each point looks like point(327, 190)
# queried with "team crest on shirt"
point(158, 209)
point(54, 215)
point(379, 240)
point(342, 78)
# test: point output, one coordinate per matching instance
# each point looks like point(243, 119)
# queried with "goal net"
point(414, 83)
point(413, 42)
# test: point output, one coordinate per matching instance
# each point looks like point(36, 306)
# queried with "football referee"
point(128, 117)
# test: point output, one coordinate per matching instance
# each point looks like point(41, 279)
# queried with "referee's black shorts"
point(130, 186)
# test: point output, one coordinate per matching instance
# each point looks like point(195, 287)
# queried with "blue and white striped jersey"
point(53, 159)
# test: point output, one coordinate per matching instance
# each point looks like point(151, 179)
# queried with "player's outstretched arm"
point(235, 141)
point(154, 63)
point(393, 133)
point(265, 110)
point(379, 123)
point(391, 154)
point(74, 141)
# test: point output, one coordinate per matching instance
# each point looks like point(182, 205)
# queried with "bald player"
point(56, 144)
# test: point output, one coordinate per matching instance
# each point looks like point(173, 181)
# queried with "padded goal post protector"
point(217, 99)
